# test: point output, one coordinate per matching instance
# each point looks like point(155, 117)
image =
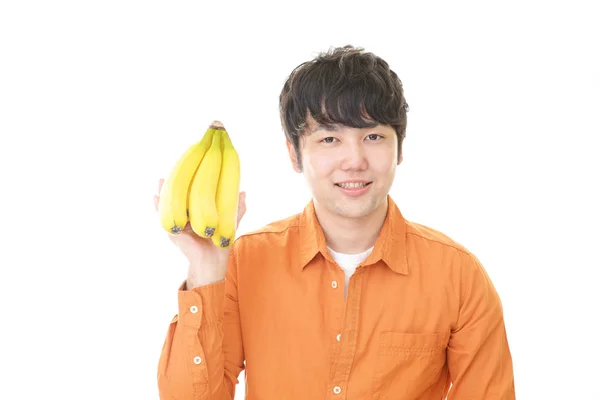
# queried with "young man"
point(346, 299)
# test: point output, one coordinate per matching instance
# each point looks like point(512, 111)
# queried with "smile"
point(353, 185)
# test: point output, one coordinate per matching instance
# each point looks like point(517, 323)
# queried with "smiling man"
point(346, 299)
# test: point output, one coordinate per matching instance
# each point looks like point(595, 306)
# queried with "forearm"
point(194, 341)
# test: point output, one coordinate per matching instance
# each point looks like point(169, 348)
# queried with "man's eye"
point(374, 136)
point(328, 139)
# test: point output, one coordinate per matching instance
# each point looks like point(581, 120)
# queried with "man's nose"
point(354, 157)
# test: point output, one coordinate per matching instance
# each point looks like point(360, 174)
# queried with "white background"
point(99, 99)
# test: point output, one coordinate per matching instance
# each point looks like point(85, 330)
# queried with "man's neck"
point(351, 235)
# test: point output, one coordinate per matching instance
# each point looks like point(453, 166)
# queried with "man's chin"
point(353, 211)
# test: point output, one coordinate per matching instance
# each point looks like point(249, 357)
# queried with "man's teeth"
point(352, 185)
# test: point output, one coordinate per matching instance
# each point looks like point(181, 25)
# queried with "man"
point(346, 299)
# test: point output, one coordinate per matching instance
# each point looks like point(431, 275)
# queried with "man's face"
point(349, 170)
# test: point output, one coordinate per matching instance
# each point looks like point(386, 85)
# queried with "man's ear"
point(293, 158)
point(400, 155)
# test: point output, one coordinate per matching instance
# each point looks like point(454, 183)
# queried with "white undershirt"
point(349, 262)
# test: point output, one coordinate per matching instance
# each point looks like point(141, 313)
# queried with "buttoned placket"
point(348, 329)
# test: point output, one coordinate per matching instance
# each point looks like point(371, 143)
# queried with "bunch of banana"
point(203, 189)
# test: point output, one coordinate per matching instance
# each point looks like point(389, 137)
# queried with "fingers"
point(156, 202)
point(160, 183)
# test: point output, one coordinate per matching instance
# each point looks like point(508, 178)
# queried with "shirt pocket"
point(408, 363)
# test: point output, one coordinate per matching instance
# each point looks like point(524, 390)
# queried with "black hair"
point(345, 86)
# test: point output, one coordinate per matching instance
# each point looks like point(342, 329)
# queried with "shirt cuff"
point(202, 305)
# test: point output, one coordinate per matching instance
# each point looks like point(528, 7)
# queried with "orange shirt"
point(421, 314)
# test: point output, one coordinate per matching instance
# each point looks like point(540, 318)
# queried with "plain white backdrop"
point(99, 99)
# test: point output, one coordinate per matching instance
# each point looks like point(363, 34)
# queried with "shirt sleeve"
point(202, 355)
point(479, 357)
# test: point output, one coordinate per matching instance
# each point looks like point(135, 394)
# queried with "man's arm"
point(479, 358)
point(202, 355)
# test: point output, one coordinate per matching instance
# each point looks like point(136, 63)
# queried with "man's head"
point(344, 117)
point(346, 86)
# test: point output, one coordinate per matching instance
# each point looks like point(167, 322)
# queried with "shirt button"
point(337, 390)
point(194, 309)
point(197, 360)
point(339, 337)
point(334, 284)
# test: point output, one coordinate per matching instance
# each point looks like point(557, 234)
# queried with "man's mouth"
point(353, 185)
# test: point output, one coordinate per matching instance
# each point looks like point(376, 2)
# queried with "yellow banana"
point(201, 201)
point(227, 194)
point(172, 206)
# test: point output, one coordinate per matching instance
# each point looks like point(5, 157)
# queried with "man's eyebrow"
point(336, 127)
point(327, 127)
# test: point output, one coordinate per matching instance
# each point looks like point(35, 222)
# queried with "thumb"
point(241, 207)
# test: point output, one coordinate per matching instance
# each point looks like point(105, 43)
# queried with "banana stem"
point(216, 125)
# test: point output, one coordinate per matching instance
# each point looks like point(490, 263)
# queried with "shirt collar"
point(390, 245)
